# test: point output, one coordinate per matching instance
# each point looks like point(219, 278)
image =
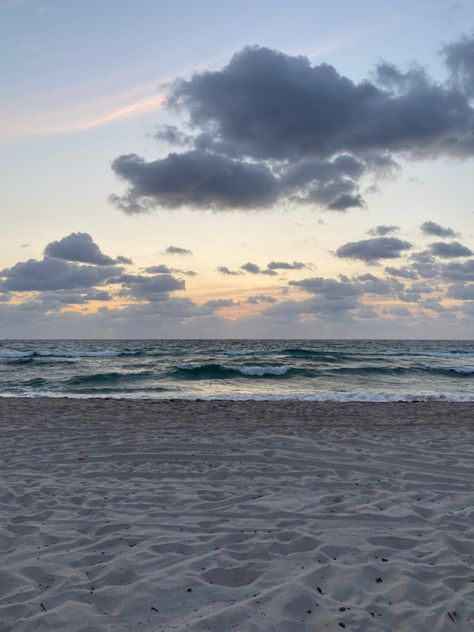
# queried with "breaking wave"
point(221, 371)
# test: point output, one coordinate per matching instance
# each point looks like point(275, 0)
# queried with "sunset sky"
point(256, 169)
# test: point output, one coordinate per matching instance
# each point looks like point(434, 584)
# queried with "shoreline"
point(223, 515)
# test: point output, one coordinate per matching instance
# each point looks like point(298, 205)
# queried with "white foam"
point(16, 354)
point(344, 396)
point(328, 396)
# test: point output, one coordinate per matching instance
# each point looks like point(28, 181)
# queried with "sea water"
point(325, 370)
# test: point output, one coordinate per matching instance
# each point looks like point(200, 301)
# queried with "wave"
point(327, 356)
point(18, 355)
point(452, 355)
point(296, 352)
point(458, 370)
point(100, 378)
point(19, 361)
point(342, 397)
point(247, 352)
point(376, 397)
point(446, 355)
point(213, 371)
point(450, 371)
point(128, 392)
point(151, 393)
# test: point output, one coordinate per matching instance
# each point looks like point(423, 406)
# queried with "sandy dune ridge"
point(288, 516)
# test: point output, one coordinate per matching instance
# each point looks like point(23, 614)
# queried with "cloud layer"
point(68, 295)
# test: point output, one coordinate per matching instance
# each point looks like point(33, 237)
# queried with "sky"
point(262, 169)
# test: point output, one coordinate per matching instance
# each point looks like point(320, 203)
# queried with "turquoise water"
point(340, 370)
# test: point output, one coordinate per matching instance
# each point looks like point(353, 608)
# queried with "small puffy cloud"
point(97, 295)
point(330, 289)
point(372, 250)
point(164, 269)
point(424, 264)
point(159, 269)
point(57, 300)
point(176, 250)
point(462, 291)
point(227, 271)
point(366, 312)
point(150, 288)
point(215, 304)
point(251, 268)
point(319, 305)
point(51, 273)
point(286, 265)
point(124, 260)
point(398, 311)
point(402, 273)
point(383, 229)
point(81, 248)
point(431, 228)
point(260, 298)
point(448, 250)
point(455, 271)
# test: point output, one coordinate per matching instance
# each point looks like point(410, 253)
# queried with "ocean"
point(329, 370)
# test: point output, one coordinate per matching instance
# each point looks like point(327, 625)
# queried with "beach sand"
point(288, 516)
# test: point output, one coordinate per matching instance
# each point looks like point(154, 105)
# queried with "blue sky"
point(85, 83)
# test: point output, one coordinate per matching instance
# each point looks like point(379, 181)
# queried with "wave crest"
point(214, 371)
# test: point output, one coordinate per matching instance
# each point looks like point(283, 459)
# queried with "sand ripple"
point(181, 516)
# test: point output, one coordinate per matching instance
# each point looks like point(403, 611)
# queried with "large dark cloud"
point(81, 247)
point(459, 57)
point(271, 127)
point(372, 250)
point(197, 178)
point(431, 228)
point(51, 273)
point(268, 105)
point(332, 184)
